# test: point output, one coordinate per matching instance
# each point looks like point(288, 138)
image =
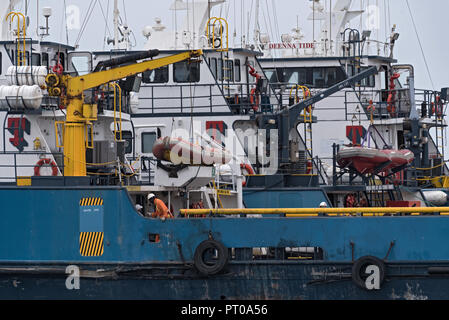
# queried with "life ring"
point(364, 264)
point(211, 257)
point(58, 69)
point(249, 171)
point(254, 100)
point(41, 163)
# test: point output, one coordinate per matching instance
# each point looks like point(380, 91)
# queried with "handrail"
point(308, 211)
point(215, 20)
point(119, 89)
point(21, 52)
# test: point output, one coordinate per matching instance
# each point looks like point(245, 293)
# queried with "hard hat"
point(138, 207)
point(323, 205)
point(151, 196)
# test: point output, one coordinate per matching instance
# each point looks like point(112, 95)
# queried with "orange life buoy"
point(249, 171)
point(254, 100)
point(41, 163)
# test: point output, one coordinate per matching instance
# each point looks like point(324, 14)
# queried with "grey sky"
point(430, 17)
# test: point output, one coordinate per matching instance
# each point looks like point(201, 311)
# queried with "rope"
point(86, 21)
point(106, 29)
point(420, 44)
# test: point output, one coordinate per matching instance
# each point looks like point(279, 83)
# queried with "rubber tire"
point(363, 262)
point(222, 261)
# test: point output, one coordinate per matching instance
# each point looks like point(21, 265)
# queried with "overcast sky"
point(430, 17)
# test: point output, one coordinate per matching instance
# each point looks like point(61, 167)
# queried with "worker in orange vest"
point(161, 209)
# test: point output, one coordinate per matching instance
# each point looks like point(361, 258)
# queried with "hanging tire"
point(211, 257)
point(360, 275)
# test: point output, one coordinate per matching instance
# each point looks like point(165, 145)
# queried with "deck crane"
point(286, 121)
point(79, 115)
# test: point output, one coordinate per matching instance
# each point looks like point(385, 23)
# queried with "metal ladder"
point(439, 136)
point(307, 117)
point(227, 72)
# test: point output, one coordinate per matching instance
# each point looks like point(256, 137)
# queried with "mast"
point(256, 25)
point(116, 24)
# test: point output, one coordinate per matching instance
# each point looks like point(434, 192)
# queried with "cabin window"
point(312, 77)
point(237, 71)
point(80, 64)
point(213, 66)
point(295, 75)
point(274, 75)
point(1, 61)
point(229, 71)
point(368, 82)
point(159, 75)
point(186, 72)
point(220, 69)
point(148, 140)
point(36, 59)
point(45, 59)
point(60, 57)
point(127, 136)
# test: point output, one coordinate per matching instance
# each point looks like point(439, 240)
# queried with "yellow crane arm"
point(76, 85)
point(75, 125)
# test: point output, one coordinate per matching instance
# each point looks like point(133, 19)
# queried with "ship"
point(77, 166)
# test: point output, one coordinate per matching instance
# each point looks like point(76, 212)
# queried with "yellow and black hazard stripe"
point(91, 244)
point(87, 202)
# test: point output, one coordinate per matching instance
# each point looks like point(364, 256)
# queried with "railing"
point(326, 49)
point(321, 212)
point(379, 98)
point(9, 172)
point(194, 98)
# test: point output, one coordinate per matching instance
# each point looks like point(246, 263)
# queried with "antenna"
point(46, 12)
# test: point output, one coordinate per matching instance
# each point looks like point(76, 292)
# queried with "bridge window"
point(312, 77)
point(186, 72)
point(273, 75)
point(60, 57)
point(295, 75)
point(368, 82)
point(148, 140)
point(220, 69)
point(45, 61)
point(36, 59)
point(128, 138)
point(237, 71)
point(159, 75)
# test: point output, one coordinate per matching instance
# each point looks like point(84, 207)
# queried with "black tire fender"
point(219, 262)
point(359, 274)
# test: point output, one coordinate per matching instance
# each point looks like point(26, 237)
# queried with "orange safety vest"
point(161, 210)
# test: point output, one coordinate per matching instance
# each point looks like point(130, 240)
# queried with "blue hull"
point(44, 230)
point(241, 281)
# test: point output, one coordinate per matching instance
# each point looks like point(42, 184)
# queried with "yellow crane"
point(80, 115)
